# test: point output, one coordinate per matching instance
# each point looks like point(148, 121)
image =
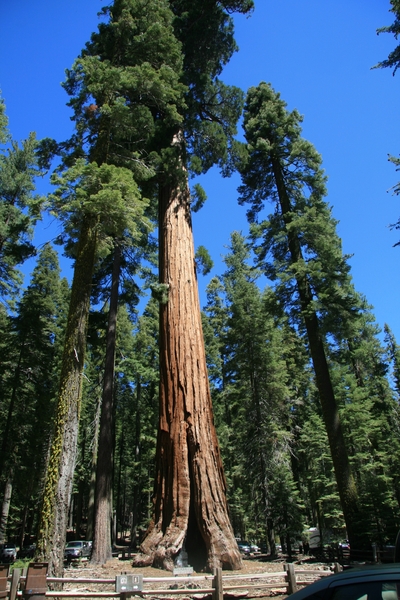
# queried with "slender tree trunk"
point(190, 506)
point(71, 513)
point(271, 537)
point(102, 545)
point(81, 493)
point(118, 503)
point(92, 484)
point(5, 508)
point(60, 471)
point(137, 503)
point(33, 480)
point(344, 477)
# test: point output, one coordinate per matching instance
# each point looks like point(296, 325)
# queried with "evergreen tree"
point(370, 415)
point(136, 418)
point(393, 350)
point(96, 204)
point(253, 400)
point(393, 60)
point(308, 260)
point(29, 390)
point(19, 207)
point(126, 262)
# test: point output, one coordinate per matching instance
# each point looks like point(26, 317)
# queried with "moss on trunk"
point(60, 470)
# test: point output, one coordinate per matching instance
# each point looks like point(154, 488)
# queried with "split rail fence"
point(34, 584)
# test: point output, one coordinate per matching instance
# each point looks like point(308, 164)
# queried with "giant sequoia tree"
point(127, 91)
point(301, 236)
point(190, 507)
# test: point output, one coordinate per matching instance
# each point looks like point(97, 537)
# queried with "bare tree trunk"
point(136, 486)
point(60, 470)
point(92, 484)
point(5, 508)
point(190, 506)
point(102, 546)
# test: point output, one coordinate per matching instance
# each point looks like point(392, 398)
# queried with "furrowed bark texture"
point(59, 476)
point(190, 507)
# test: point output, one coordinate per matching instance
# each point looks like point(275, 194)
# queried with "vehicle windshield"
point(74, 544)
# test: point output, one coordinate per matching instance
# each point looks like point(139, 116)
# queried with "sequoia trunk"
point(190, 507)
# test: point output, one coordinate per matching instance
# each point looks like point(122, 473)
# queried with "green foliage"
point(274, 135)
point(205, 29)
point(125, 86)
point(19, 206)
point(204, 262)
point(29, 384)
point(199, 197)
point(136, 417)
point(4, 135)
point(393, 351)
point(251, 395)
point(299, 249)
point(396, 190)
point(393, 60)
point(160, 292)
point(106, 194)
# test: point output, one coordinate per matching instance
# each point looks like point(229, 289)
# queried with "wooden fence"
point(34, 584)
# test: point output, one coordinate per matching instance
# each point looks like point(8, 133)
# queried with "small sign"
point(183, 570)
point(128, 583)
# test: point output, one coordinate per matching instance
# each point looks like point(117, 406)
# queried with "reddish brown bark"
point(190, 506)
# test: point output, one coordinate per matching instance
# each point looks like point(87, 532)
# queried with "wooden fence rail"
point(34, 584)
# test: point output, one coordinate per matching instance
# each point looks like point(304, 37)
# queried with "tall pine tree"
point(286, 169)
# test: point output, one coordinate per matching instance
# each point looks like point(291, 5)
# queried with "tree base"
point(162, 551)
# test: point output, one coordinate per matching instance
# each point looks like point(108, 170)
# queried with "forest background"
point(353, 125)
point(317, 55)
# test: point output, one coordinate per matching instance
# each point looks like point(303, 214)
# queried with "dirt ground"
point(117, 566)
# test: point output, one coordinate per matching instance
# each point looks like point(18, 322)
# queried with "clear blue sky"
point(317, 54)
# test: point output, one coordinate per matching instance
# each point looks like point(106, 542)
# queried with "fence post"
point(291, 578)
point(374, 554)
point(218, 593)
point(36, 582)
point(4, 570)
point(337, 568)
point(15, 579)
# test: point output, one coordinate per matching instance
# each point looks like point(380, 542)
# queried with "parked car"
point(27, 551)
point(77, 549)
point(345, 544)
point(244, 547)
point(376, 582)
point(8, 553)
